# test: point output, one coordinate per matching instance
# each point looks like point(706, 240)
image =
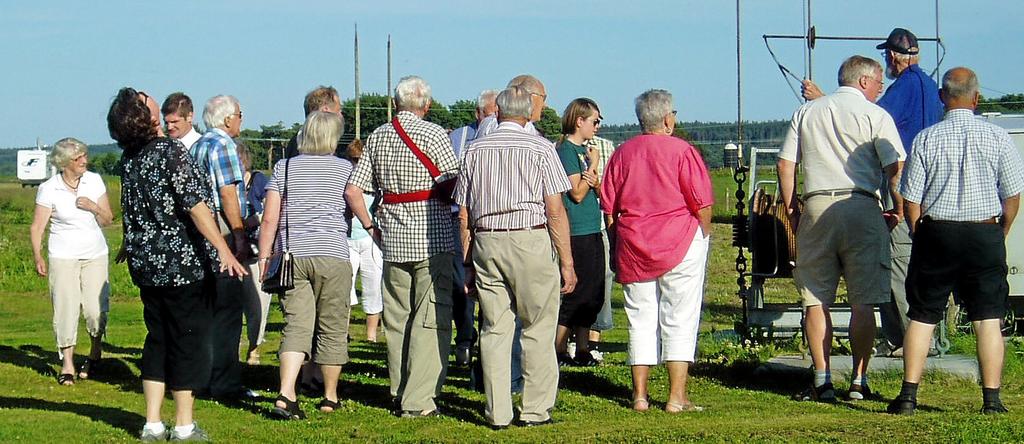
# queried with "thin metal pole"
point(389, 77)
point(739, 90)
point(810, 50)
point(357, 92)
point(937, 39)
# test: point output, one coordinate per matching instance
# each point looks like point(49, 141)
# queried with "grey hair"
point(856, 67)
point(651, 108)
point(960, 88)
point(412, 93)
point(486, 96)
point(515, 101)
point(217, 109)
point(66, 150)
point(531, 83)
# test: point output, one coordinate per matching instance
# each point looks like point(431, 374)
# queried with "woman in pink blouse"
point(656, 195)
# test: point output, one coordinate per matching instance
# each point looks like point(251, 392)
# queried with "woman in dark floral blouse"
point(173, 249)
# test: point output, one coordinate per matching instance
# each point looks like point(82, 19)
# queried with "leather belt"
point(502, 230)
point(840, 193)
point(992, 220)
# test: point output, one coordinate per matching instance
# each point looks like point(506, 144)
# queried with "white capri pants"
point(368, 264)
point(664, 313)
point(78, 287)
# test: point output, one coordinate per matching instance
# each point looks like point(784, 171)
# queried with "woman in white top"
point(74, 203)
point(365, 255)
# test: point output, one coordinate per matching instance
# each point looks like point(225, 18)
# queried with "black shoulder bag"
point(280, 277)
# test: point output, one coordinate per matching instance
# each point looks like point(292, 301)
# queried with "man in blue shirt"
point(216, 154)
point(913, 102)
point(464, 307)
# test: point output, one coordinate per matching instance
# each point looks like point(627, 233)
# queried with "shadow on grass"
point(588, 383)
point(32, 357)
point(130, 422)
point(750, 376)
point(117, 349)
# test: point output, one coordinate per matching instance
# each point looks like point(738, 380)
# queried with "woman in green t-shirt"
point(579, 309)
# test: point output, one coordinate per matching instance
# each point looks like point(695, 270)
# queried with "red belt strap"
point(413, 196)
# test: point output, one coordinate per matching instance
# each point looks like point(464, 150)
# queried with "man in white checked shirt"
point(961, 193)
point(510, 192)
point(416, 242)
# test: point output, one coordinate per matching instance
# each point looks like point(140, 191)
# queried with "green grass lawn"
point(593, 404)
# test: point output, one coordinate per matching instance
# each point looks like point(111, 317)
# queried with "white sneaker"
point(197, 435)
point(598, 356)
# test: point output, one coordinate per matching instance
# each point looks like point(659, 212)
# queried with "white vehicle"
point(34, 167)
point(1014, 124)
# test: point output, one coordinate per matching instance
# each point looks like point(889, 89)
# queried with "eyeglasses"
point(674, 112)
point(597, 122)
point(542, 96)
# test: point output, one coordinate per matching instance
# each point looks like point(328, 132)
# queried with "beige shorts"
point(842, 236)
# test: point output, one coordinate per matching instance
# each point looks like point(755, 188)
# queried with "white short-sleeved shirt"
point(74, 233)
point(843, 141)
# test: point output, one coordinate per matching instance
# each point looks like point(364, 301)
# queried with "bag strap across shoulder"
point(284, 199)
point(434, 172)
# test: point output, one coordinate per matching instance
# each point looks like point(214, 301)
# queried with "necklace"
point(74, 188)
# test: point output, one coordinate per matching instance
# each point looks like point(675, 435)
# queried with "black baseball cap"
point(901, 41)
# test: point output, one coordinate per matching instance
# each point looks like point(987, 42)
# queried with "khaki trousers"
point(418, 321)
point(78, 287)
point(316, 311)
point(517, 275)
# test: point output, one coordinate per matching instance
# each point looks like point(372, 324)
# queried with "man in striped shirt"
point(415, 230)
point(510, 190)
point(961, 194)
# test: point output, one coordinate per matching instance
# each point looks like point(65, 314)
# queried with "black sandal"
point(66, 379)
point(328, 404)
point(290, 411)
point(86, 367)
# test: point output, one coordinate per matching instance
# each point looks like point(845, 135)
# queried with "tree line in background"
point(267, 143)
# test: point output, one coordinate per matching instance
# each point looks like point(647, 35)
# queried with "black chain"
point(740, 232)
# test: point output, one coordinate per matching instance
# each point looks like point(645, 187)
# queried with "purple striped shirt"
point(505, 176)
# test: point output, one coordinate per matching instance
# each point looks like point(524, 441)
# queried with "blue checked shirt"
point(217, 155)
point(962, 168)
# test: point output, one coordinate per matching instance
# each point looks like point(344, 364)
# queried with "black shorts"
point(178, 320)
point(580, 308)
point(968, 259)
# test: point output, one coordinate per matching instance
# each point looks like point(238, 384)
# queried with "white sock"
point(822, 377)
point(861, 381)
point(155, 427)
point(184, 430)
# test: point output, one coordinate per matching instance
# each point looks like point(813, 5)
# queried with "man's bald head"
point(960, 89)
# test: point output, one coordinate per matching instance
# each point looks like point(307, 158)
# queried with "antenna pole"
point(357, 92)
point(739, 90)
point(389, 78)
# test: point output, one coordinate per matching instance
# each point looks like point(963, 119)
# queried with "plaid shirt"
point(961, 169)
point(606, 148)
point(412, 231)
point(217, 155)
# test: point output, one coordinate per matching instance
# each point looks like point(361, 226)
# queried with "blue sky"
point(64, 60)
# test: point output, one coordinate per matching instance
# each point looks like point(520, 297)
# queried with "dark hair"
point(129, 120)
point(177, 103)
point(319, 97)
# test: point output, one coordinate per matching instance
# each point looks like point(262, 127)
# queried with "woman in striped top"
point(305, 212)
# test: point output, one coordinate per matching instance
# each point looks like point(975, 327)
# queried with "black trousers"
point(225, 334)
point(580, 308)
point(177, 323)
